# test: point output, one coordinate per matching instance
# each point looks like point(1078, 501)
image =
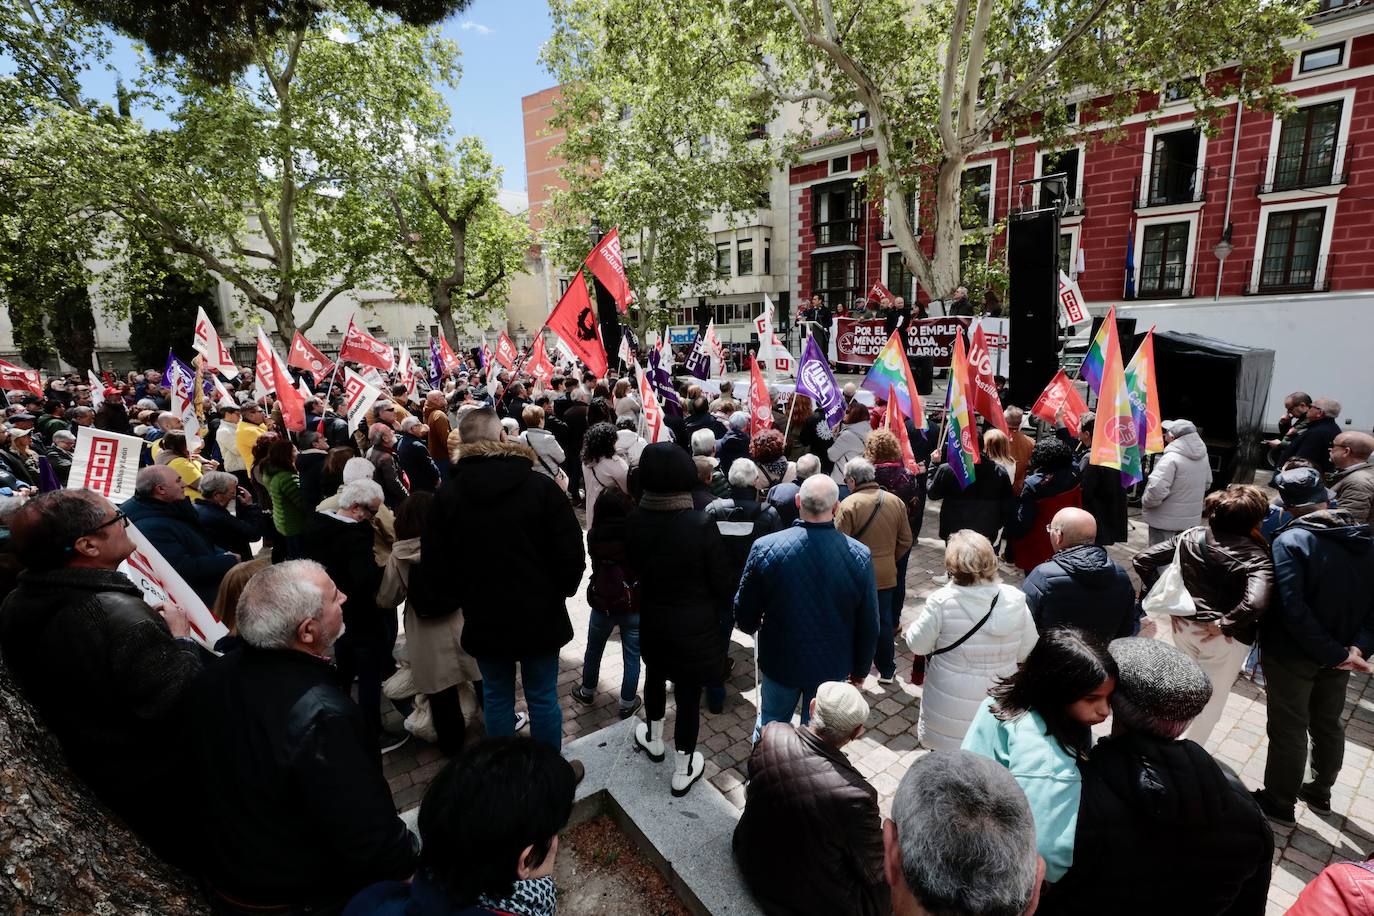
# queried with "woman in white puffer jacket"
point(957, 680)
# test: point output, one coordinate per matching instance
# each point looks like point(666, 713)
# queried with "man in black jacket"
point(1148, 796)
point(106, 671)
point(299, 816)
point(412, 453)
point(163, 515)
point(1080, 585)
point(1315, 443)
point(494, 490)
point(234, 533)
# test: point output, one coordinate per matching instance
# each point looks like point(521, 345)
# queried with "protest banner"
point(359, 397)
point(857, 342)
point(304, 355)
point(159, 583)
point(105, 462)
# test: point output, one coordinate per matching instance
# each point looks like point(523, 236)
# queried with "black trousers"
point(688, 700)
point(448, 720)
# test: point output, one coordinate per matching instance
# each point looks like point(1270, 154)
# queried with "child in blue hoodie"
point(1038, 724)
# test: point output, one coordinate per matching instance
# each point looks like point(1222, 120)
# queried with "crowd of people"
point(423, 560)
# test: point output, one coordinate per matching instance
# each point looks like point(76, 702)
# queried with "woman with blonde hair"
point(997, 449)
point(972, 632)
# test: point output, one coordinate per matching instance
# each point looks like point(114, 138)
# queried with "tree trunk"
point(949, 229)
point(63, 851)
point(442, 301)
point(284, 312)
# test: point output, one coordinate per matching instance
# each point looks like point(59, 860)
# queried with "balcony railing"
point(1172, 282)
point(1146, 197)
point(1307, 169)
point(1284, 274)
point(837, 232)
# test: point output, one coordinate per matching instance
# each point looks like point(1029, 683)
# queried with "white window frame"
point(1347, 99)
point(887, 252)
point(992, 192)
point(915, 218)
point(1075, 193)
point(1323, 250)
point(1147, 159)
point(1074, 230)
point(1190, 258)
point(740, 244)
point(1316, 45)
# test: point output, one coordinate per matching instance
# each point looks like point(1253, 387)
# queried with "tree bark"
point(442, 300)
point(63, 852)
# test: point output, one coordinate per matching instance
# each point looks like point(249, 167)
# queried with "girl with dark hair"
point(1038, 724)
point(291, 515)
point(602, 468)
point(1053, 484)
point(613, 593)
point(489, 827)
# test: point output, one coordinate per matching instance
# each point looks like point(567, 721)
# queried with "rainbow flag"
point(961, 436)
point(1144, 394)
point(1095, 358)
point(1114, 434)
point(891, 372)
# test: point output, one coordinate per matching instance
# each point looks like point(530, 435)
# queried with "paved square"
point(889, 746)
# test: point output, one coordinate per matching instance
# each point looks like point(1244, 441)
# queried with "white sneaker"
point(940, 579)
point(521, 720)
point(649, 738)
point(690, 768)
point(888, 681)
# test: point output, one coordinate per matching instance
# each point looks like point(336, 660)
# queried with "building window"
point(746, 258)
point(860, 122)
point(723, 259)
point(839, 164)
point(1175, 175)
point(767, 258)
point(910, 198)
point(1179, 91)
point(1164, 259)
point(835, 277)
point(972, 258)
point(1322, 58)
point(1071, 113)
point(756, 131)
point(1307, 147)
point(835, 213)
point(1066, 162)
point(1066, 260)
point(977, 196)
point(899, 279)
point(1326, 5)
point(1291, 243)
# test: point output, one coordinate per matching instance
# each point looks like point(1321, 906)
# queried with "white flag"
point(654, 430)
point(773, 353)
point(222, 396)
point(304, 389)
point(1071, 298)
point(206, 342)
point(359, 397)
point(105, 462)
point(263, 381)
point(159, 582)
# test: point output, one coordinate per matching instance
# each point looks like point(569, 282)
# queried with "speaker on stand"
point(1033, 296)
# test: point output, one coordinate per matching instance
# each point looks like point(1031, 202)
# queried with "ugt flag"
point(366, 350)
point(1060, 394)
point(986, 403)
point(760, 408)
point(817, 382)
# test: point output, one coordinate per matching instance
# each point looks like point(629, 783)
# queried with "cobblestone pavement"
point(889, 746)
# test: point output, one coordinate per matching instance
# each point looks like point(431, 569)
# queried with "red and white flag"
point(304, 389)
point(1071, 298)
point(206, 342)
point(366, 350)
point(451, 360)
point(359, 397)
point(986, 403)
point(264, 364)
point(304, 355)
point(607, 264)
point(539, 365)
point(1060, 393)
point(772, 350)
point(760, 407)
point(160, 582)
point(405, 367)
point(222, 396)
point(105, 462)
point(505, 352)
point(291, 402)
point(573, 319)
point(879, 293)
point(654, 430)
point(17, 378)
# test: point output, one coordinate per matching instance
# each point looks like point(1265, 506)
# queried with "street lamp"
point(1222, 250)
point(594, 233)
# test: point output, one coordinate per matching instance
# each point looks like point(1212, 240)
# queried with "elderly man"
point(878, 520)
point(79, 416)
point(1172, 501)
point(961, 839)
point(1148, 796)
point(810, 595)
point(163, 514)
point(436, 419)
point(803, 787)
point(1314, 443)
point(105, 671)
point(735, 443)
point(1080, 586)
point(1021, 446)
point(412, 454)
point(59, 454)
point(301, 817)
point(783, 496)
point(382, 454)
point(233, 533)
point(1320, 628)
point(1353, 481)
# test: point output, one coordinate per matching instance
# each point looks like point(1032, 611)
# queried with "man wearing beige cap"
point(803, 788)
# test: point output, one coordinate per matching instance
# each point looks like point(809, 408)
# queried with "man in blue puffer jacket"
point(810, 595)
point(1080, 586)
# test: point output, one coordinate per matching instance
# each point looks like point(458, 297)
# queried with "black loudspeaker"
point(1033, 269)
point(783, 319)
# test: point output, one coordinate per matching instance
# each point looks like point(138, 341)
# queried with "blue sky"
point(500, 43)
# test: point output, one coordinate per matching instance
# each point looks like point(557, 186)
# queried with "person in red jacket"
point(1345, 888)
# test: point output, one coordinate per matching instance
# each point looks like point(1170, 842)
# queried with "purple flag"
point(207, 380)
point(816, 381)
point(663, 383)
point(699, 359)
point(436, 364)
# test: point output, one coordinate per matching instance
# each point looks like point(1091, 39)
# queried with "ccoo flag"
point(961, 442)
point(892, 373)
point(1144, 392)
point(1114, 433)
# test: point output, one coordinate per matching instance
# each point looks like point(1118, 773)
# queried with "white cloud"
point(467, 25)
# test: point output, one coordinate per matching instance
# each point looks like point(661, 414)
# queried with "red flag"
point(451, 360)
point(539, 365)
point(205, 341)
point(15, 378)
point(366, 350)
point(654, 429)
point(573, 319)
point(986, 403)
point(305, 356)
point(879, 293)
point(760, 408)
point(288, 398)
point(897, 424)
point(264, 382)
point(505, 351)
point(607, 263)
point(1060, 393)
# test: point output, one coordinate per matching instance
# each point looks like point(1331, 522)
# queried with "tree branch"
point(266, 223)
point(973, 70)
point(488, 286)
point(329, 297)
point(950, 76)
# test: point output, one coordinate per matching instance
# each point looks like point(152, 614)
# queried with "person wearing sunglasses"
point(105, 670)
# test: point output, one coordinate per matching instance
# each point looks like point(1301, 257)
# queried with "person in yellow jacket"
point(251, 426)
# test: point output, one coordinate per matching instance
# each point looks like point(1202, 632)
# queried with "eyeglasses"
point(117, 517)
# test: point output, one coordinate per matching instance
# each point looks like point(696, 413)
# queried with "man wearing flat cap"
point(1150, 799)
point(810, 839)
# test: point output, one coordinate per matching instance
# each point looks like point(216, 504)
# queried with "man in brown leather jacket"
point(810, 839)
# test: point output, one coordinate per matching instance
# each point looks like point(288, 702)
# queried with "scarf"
point(536, 897)
point(665, 502)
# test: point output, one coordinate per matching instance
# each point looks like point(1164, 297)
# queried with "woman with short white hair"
point(972, 631)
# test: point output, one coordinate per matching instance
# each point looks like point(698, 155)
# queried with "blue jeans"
point(778, 703)
point(598, 631)
point(539, 675)
point(889, 611)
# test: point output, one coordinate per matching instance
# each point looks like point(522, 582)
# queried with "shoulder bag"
point(918, 663)
point(1169, 596)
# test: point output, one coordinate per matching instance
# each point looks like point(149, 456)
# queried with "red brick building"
point(1148, 212)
